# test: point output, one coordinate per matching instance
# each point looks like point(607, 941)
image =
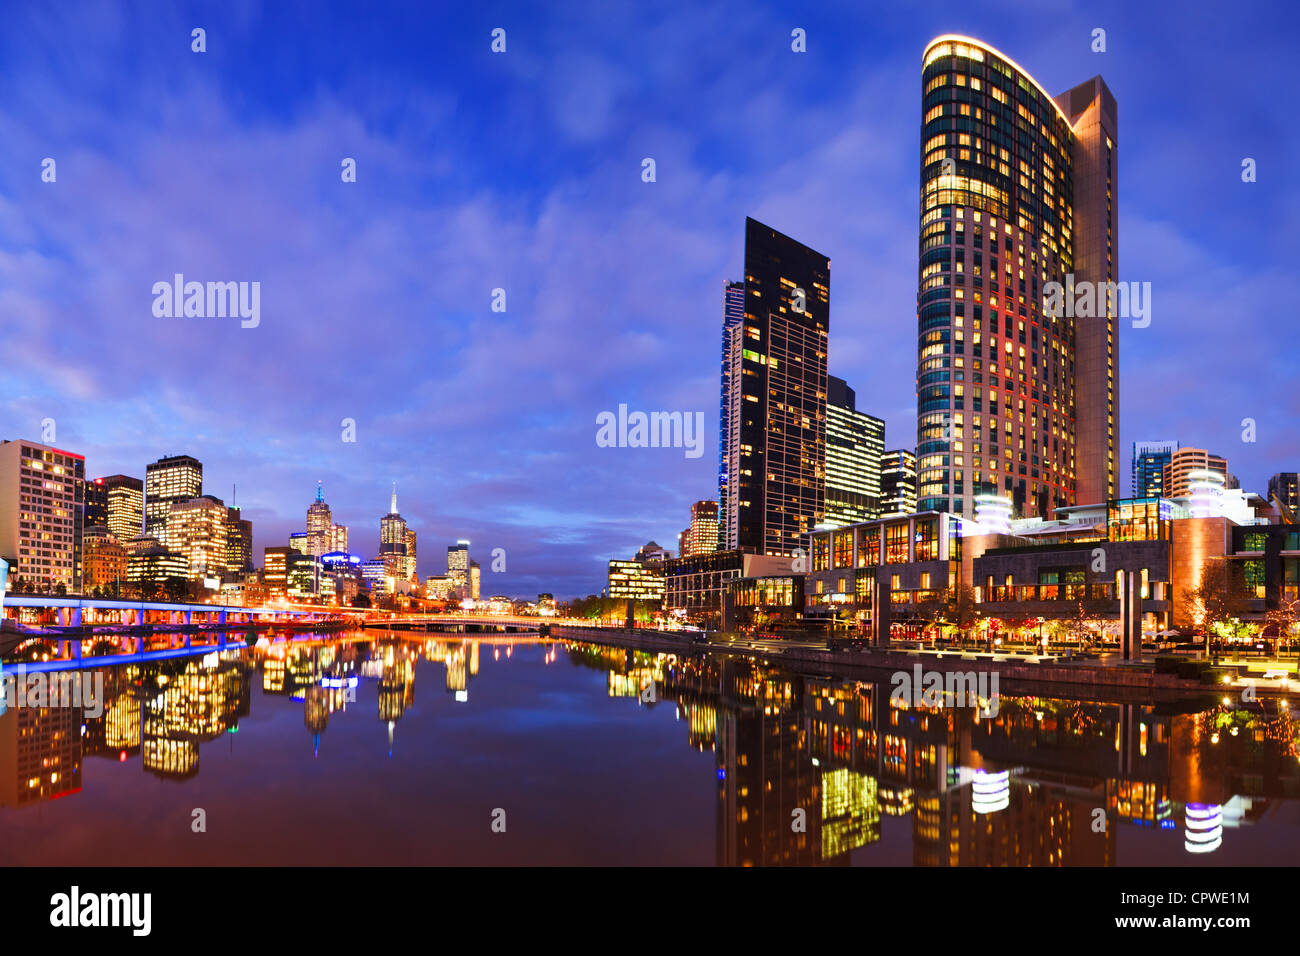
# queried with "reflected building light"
point(1204, 832)
point(990, 792)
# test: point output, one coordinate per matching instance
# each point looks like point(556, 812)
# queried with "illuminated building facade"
point(702, 536)
point(167, 481)
point(635, 581)
point(302, 575)
point(198, 529)
point(1182, 465)
point(104, 561)
point(776, 472)
point(458, 566)
point(694, 587)
point(392, 539)
point(275, 566)
point(1018, 190)
point(441, 587)
point(733, 318)
point(239, 542)
point(320, 525)
point(897, 482)
point(651, 551)
point(1149, 461)
point(156, 564)
point(375, 574)
point(300, 542)
point(475, 581)
point(42, 510)
point(855, 442)
point(116, 502)
point(412, 572)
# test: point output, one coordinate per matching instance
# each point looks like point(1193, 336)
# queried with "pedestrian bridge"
point(75, 611)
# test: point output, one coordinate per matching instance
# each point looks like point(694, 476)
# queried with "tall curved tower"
point(1018, 190)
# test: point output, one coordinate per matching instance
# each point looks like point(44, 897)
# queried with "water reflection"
point(1045, 782)
point(809, 770)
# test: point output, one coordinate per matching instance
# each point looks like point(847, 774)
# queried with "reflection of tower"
point(40, 753)
point(457, 676)
point(316, 711)
point(396, 688)
point(765, 773)
point(982, 824)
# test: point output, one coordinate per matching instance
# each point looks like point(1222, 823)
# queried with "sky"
point(522, 171)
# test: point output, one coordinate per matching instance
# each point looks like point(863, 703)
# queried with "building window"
point(821, 552)
point(927, 540)
point(869, 548)
point(843, 549)
point(896, 544)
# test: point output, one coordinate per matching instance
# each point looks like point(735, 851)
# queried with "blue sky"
point(522, 171)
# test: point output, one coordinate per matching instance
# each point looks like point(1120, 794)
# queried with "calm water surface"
point(382, 749)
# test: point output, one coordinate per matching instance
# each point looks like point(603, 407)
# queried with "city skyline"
point(516, 466)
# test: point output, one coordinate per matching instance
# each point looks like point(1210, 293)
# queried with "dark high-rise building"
point(168, 481)
point(1285, 487)
point(898, 482)
point(733, 317)
point(1149, 461)
point(776, 432)
point(1018, 190)
point(116, 502)
point(854, 443)
point(239, 541)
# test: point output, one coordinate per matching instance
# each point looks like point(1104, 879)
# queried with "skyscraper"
point(239, 541)
point(1018, 190)
point(320, 525)
point(898, 482)
point(198, 530)
point(776, 432)
point(411, 570)
point(458, 566)
point(1183, 462)
point(702, 535)
point(42, 510)
point(167, 481)
point(854, 443)
point(1149, 460)
point(116, 502)
point(392, 539)
point(733, 317)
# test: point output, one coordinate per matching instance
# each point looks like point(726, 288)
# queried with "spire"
point(393, 509)
point(320, 492)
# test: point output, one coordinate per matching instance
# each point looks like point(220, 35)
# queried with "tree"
point(1217, 604)
point(361, 600)
point(1285, 617)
